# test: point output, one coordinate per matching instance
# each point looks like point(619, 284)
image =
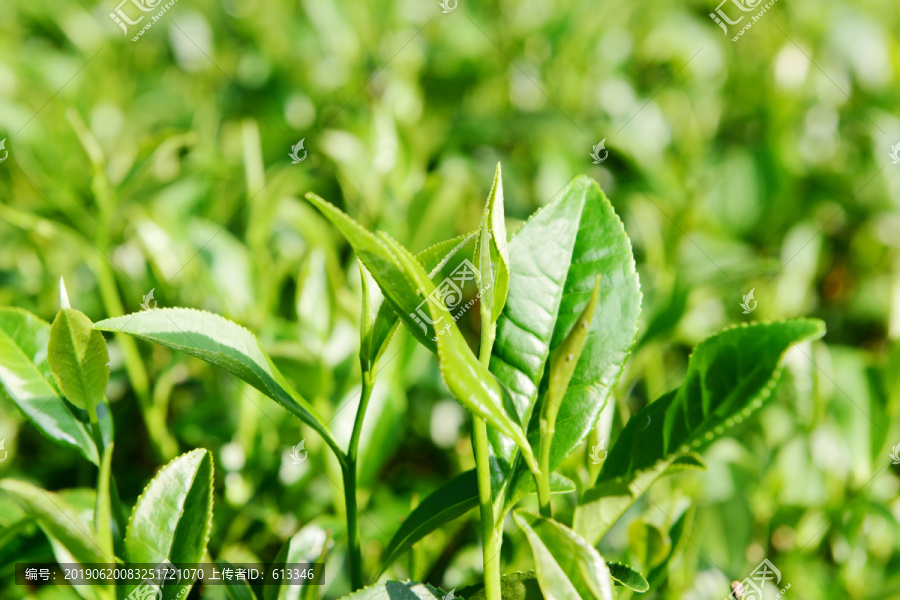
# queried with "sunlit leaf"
point(568, 568)
point(25, 377)
point(78, 359)
point(172, 518)
point(729, 376)
point(223, 343)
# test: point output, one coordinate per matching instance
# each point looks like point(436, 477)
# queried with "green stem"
point(350, 475)
point(543, 478)
point(491, 534)
point(95, 430)
point(490, 545)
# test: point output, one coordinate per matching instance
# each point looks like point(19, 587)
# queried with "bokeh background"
point(760, 164)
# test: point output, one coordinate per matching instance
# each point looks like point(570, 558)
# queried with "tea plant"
point(558, 307)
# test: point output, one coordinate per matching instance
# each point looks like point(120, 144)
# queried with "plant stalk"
point(350, 476)
point(548, 429)
point(490, 532)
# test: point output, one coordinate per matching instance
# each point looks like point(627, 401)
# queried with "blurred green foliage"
point(763, 164)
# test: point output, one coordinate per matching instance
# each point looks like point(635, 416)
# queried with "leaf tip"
point(63, 295)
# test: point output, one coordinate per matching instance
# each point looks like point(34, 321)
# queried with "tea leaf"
point(450, 501)
point(471, 383)
point(223, 343)
point(601, 248)
point(625, 575)
point(397, 590)
point(308, 545)
point(78, 359)
point(433, 259)
point(235, 588)
point(555, 259)
point(172, 518)
point(491, 252)
point(729, 376)
point(393, 279)
point(26, 378)
point(513, 586)
point(568, 568)
point(59, 520)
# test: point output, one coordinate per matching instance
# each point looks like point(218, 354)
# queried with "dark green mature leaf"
point(380, 259)
point(568, 568)
point(397, 590)
point(729, 376)
point(236, 589)
point(172, 518)
point(625, 575)
point(450, 501)
point(59, 519)
point(492, 256)
point(223, 343)
point(25, 377)
point(78, 358)
point(513, 586)
point(433, 260)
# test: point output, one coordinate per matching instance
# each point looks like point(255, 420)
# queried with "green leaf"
point(223, 343)
point(103, 516)
point(309, 545)
point(450, 501)
point(659, 572)
point(601, 248)
point(491, 254)
point(434, 259)
point(513, 586)
point(172, 518)
point(397, 590)
point(78, 359)
point(25, 377)
point(467, 378)
point(59, 520)
point(729, 376)
point(540, 254)
point(236, 589)
point(381, 261)
point(568, 568)
point(625, 575)
point(555, 259)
